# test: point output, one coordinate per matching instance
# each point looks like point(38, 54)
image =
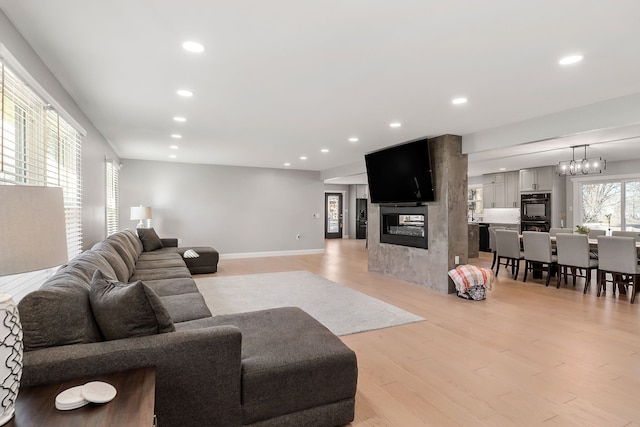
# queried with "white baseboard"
point(271, 253)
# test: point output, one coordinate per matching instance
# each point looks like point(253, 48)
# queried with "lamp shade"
point(33, 237)
point(141, 212)
point(33, 233)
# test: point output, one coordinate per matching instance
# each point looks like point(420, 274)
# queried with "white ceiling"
point(285, 78)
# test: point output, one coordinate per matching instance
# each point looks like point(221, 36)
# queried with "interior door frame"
point(344, 210)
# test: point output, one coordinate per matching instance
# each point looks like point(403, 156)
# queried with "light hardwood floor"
point(528, 355)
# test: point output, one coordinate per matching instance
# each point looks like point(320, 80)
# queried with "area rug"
point(341, 309)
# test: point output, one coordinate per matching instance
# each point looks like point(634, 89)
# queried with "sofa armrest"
point(197, 372)
point(169, 242)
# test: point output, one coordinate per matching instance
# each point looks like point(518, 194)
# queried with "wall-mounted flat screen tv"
point(401, 174)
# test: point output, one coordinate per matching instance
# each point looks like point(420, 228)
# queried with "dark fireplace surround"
point(404, 225)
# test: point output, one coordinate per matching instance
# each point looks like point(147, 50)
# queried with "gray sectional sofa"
point(276, 367)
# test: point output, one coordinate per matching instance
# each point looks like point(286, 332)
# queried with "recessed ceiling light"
point(180, 119)
point(176, 135)
point(172, 156)
point(303, 157)
point(173, 147)
point(458, 101)
point(185, 93)
point(324, 150)
point(353, 139)
point(395, 124)
point(571, 59)
point(192, 46)
point(287, 164)
point(503, 169)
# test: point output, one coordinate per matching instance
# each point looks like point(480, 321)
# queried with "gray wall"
point(94, 146)
point(240, 211)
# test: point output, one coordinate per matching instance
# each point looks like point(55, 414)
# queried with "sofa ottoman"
point(205, 262)
point(294, 370)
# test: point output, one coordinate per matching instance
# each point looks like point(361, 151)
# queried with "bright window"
point(39, 145)
point(611, 205)
point(112, 202)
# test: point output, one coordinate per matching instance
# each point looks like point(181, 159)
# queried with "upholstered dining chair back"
point(618, 254)
point(573, 253)
point(634, 234)
point(508, 248)
point(537, 246)
point(508, 243)
point(573, 249)
point(556, 230)
point(492, 237)
point(593, 234)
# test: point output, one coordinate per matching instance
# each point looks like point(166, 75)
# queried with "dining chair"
point(508, 248)
point(634, 234)
point(593, 234)
point(556, 230)
point(573, 252)
point(618, 257)
point(492, 242)
point(537, 253)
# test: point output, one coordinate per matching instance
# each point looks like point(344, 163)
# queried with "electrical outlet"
point(457, 259)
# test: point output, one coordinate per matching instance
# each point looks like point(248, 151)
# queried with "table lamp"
point(33, 237)
point(141, 213)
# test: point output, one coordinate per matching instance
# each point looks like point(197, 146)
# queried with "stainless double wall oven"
point(535, 212)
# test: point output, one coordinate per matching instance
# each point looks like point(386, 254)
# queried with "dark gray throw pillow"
point(150, 240)
point(124, 310)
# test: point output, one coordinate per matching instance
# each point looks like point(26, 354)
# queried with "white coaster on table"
point(70, 398)
point(98, 392)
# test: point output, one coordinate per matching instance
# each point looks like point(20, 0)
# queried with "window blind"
point(38, 146)
point(112, 202)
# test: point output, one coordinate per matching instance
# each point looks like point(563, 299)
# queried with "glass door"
point(333, 215)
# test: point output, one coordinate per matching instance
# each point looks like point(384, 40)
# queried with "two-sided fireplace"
point(404, 225)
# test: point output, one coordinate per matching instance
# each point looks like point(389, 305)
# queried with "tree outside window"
point(632, 205)
point(599, 202)
point(611, 205)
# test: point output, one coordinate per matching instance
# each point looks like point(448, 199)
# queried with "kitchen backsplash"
point(502, 215)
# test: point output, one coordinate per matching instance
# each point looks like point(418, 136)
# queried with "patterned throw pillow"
point(190, 253)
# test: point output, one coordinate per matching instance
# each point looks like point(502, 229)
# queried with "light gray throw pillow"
point(124, 310)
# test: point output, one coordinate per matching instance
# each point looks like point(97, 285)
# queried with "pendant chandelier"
point(585, 166)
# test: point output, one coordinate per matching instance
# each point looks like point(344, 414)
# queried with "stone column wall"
point(447, 225)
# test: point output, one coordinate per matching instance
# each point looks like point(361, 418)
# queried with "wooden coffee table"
point(132, 406)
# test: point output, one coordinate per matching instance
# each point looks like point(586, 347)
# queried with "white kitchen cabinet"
point(511, 190)
point(493, 178)
point(537, 179)
point(499, 190)
point(545, 178)
point(493, 195)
